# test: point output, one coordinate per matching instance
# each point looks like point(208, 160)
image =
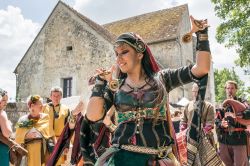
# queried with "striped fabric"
point(199, 149)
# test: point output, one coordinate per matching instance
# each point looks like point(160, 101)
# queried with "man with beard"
point(231, 123)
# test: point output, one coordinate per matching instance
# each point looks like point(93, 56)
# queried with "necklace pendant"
point(135, 89)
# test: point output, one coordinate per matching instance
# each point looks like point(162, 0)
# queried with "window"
point(67, 87)
point(69, 48)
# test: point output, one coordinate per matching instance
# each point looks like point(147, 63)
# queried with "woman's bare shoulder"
point(3, 115)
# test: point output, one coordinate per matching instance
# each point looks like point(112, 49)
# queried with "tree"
point(220, 78)
point(248, 94)
point(235, 28)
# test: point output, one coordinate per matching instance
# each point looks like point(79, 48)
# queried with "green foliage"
point(248, 94)
point(221, 77)
point(235, 28)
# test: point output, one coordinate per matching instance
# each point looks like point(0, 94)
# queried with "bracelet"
point(100, 81)
point(203, 46)
point(203, 37)
point(202, 40)
point(98, 89)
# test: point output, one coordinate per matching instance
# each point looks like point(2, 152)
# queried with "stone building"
point(69, 48)
point(66, 51)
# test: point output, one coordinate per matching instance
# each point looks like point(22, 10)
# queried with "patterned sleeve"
point(85, 142)
point(173, 78)
point(108, 99)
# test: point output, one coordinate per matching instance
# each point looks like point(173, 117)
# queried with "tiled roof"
point(154, 26)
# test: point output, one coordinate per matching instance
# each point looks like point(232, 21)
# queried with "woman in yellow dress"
point(32, 130)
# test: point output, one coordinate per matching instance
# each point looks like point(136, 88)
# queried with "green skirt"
point(125, 158)
point(4, 155)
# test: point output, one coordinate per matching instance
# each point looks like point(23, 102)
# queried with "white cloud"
point(16, 35)
point(104, 11)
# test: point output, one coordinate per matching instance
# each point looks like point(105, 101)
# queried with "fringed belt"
point(146, 113)
point(161, 152)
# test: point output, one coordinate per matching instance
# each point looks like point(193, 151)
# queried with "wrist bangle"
point(98, 89)
point(202, 40)
point(100, 81)
point(203, 37)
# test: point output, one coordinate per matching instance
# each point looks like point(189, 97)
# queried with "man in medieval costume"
point(58, 116)
point(231, 123)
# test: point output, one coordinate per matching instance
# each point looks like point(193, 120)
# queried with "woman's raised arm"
point(203, 57)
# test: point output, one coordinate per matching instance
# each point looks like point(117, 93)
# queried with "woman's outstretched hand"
point(106, 74)
point(198, 25)
point(103, 74)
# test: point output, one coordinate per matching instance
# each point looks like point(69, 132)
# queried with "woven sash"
point(198, 147)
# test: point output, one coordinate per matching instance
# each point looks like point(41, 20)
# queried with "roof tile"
point(154, 26)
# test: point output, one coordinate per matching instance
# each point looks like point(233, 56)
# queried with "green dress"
point(142, 117)
point(4, 155)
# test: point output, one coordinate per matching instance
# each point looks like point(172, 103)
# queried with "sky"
point(21, 20)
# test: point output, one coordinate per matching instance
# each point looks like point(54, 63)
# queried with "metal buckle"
point(164, 151)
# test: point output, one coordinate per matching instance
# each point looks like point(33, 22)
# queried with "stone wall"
point(15, 111)
point(48, 61)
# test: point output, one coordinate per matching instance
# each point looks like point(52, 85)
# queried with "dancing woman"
point(144, 135)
